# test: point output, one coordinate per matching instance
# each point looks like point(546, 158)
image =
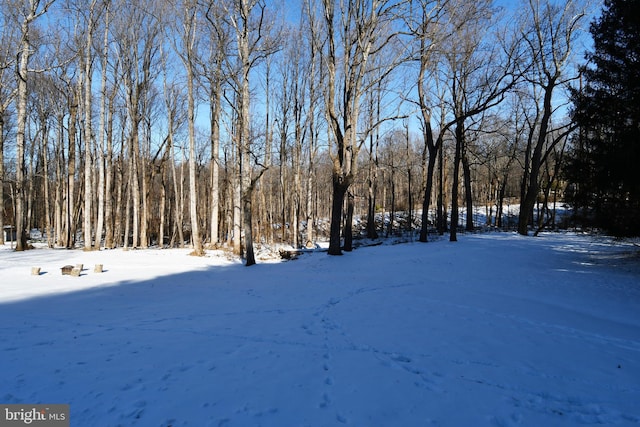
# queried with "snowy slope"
point(495, 330)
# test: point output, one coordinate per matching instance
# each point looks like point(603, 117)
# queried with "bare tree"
point(7, 94)
point(87, 119)
point(312, 146)
point(43, 106)
point(215, 77)
point(111, 200)
point(247, 19)
point(186, 49)
point(29, 12)
point(550, 32)
point(351, 35)
point(138, 35)
point(428, 32)
point(372, 116)
point(283, 123)
point(480, 71)
point(100, 160)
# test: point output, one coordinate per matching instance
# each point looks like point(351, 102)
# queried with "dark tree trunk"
point(247, 197)
point(427, 196)
point(348, 225)
point(441, 218)
point(468, 196)
point(453, 235)
point(531, 193)
point(340, 188)
point(372, 233)
point(392, 216)
point(501, 193)
point(250, 258)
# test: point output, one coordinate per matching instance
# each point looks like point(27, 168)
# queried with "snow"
point(494, 330)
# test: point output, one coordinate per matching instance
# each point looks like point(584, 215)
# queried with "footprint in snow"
point(332, 302)
point(325, 401)
point(400, 358)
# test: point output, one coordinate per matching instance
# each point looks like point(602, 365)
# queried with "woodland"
point(237, 123)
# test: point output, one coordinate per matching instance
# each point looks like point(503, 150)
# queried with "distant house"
point(9, 233)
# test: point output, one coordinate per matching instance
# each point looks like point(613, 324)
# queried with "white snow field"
point(494, 330)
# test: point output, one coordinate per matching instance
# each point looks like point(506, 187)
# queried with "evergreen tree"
point(603, 171)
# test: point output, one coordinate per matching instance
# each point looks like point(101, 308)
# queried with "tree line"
point(230, 122)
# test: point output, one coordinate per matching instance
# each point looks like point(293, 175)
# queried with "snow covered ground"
point(494, 330)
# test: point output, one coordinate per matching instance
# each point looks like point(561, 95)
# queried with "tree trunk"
point(71, 172)
point(392, 215)
point(459, 133)
point(311, 112)
point(348, 224)
point(108, 185)
point(371, 199)
point(179, 197)
point(121, 193)
point(242, 23)
point(30, 184)
point(146, 179)
point(468, 195)
point(23, 55)
point(88, 132)
point(441, 217)
point(21, 107)
point(297, 190)
point(339, 191)
point(135, 184)
point(499, 210)
point(45, 178)
point(283, 180)
point(431, 165)
point(127, 210)
point(531, 190)
point(249, 256)
point(60, 184)
point(309, 202)
point(101, 134)
point(101, 194)
point(215, 162)
point(162, 209)
point(196, 239)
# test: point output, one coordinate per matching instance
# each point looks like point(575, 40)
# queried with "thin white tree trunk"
point(237, 227)
point(59, 224)
point(21, 107)
point(45, 178)
point(127, 211)
point(135, 186)
point(101, 134)
point(190, 38)
point(215, 157)
point(109, 240)
point(144, 217)
point(88, 131)
point(178, 196)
